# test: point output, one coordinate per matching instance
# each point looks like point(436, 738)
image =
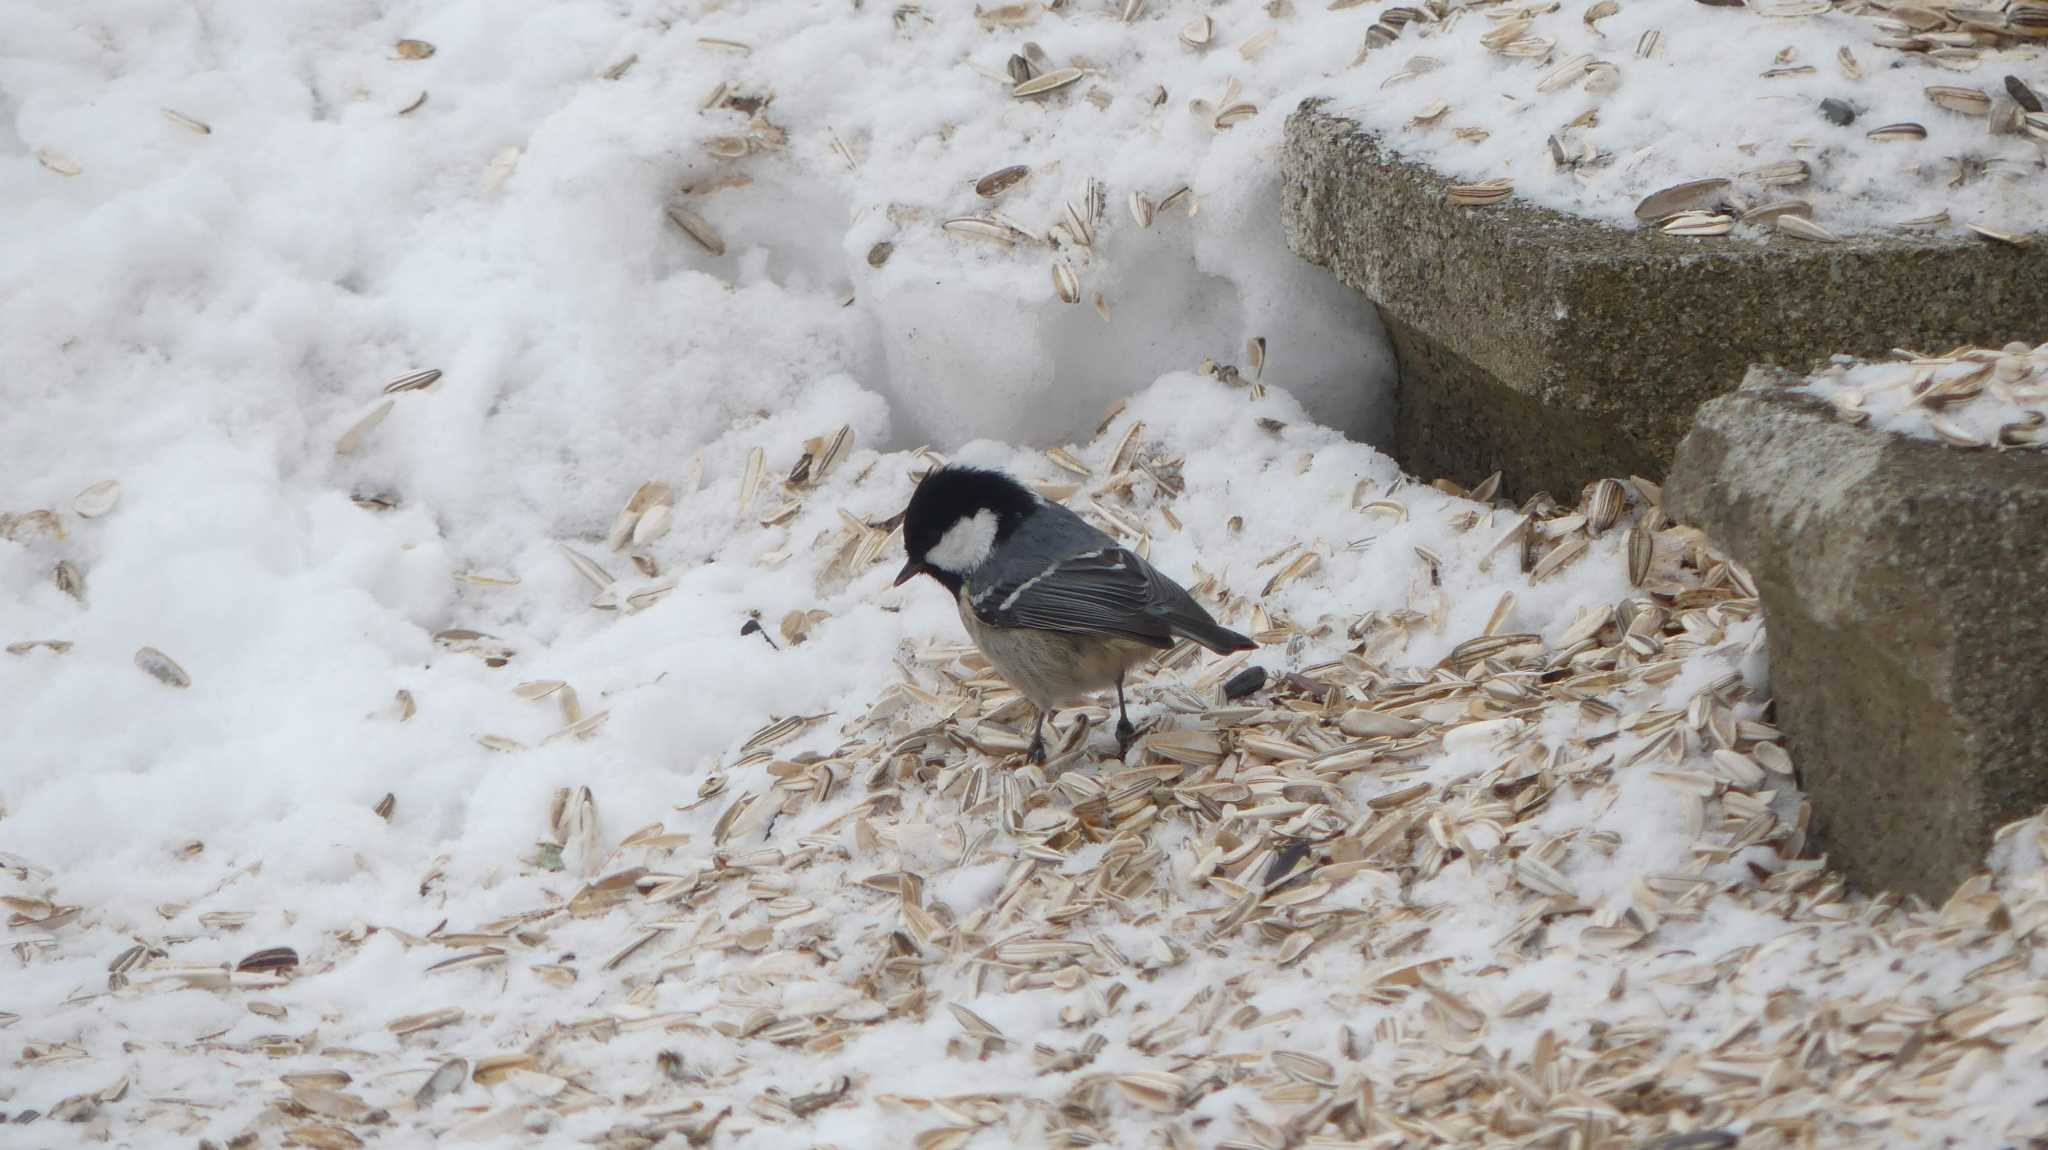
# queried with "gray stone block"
point(1902, 587)
point(1559, 350)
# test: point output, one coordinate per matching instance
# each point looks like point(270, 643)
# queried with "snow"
point(1967, 398)
point(204, 316)
point(1702, 106)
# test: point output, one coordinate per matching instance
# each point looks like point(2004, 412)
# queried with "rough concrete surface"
point(1902, 587)
point(1560, 350)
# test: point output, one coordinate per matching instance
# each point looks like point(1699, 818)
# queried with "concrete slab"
point(1558, 350)
point(1901, 583)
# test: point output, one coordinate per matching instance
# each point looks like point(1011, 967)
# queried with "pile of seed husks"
point(1541, 892)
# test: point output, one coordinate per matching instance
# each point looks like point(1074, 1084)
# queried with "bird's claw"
point(1125, 733)
point(1036, 754)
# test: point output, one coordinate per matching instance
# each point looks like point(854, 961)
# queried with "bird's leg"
point(1124, 731)
point(1037, 752)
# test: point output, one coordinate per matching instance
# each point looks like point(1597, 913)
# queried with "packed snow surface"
point(1977, 397)
point(351, 729)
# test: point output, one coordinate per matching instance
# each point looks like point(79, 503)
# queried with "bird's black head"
point(956, 517)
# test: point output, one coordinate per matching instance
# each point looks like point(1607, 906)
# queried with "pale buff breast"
point(1051, 669)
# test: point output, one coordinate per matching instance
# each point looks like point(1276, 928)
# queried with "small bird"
point(1058, 608)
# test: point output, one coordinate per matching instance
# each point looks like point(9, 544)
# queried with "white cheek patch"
point(965, 544)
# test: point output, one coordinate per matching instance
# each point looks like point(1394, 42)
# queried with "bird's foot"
point(1036, 754)
point(1125, 733)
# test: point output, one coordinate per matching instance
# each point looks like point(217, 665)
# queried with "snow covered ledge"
point(1559, 350)
point(1902, 579)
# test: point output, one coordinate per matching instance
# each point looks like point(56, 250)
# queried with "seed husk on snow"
point(1065, 283)
point(696, 227)
point(1679, 197)
point(988, 227)
point(97, 500)
point(1968, 101)
point(1049, 82)
point(413, 381)
point(353, 438)
point(1799, 227)
point(2010, 239)
point(162, 667)
point(1001, 180)
point(1697, 223)
point(188, 123)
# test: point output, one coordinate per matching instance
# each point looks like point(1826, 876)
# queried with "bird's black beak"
point(911, 570)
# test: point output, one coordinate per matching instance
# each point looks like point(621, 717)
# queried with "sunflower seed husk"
point(413, 381)
point(60, 646)
point(426, 1020)
point(162, 667)
point(1698, 223)
point(446, 1079)
point(1050, 81)
point(274, 958)
point(1001, 180)
point(1799, 227)
point(2011, 239)
point(1786, 173)
point(1679, 197)
point(2023, 95)
point(1604, 508)
point(414, 49)
point(1901, 131)
point(188, 123)
point(97, 500)
point(501, 167)
point(353, 438)
point(1559, 557)
point(652, 524)
point(1065, 283)
point(1968, 101)
point(58, 162)
point(1765, 213)
point(1484, 192)
point(1233, 114)
point(988, 227)
point(1431, 114)
point(1366, 723)
point(1641, 544)
point(586, 567)
point(750, 479)
point(696, 227)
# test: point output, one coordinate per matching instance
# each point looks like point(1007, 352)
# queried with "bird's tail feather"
point(1213, 635)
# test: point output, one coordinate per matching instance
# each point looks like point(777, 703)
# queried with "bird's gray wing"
point(1109, 591)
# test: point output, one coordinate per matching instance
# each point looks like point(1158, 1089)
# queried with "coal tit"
point(1058, 608)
